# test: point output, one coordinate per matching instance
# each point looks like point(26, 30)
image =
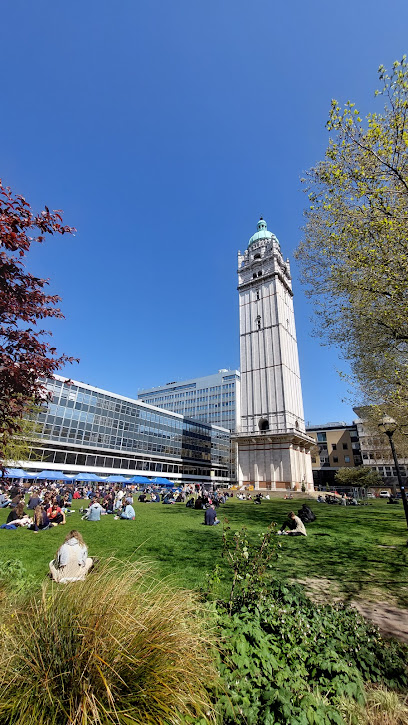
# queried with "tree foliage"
point(25, 354)
point(354, 256)
point(359, 476)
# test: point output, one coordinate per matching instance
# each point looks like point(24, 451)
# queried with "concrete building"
point(376, 451)
point(86, 429)
point(337, 446)
point(212, 399)
point(273, 447)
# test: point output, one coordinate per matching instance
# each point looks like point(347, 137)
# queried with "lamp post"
point(389, 426)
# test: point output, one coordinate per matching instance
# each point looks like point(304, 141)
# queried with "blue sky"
point(163, 130)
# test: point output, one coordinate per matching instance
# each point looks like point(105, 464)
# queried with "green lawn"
point(361, 550)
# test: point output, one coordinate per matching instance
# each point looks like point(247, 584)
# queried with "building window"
point(345, 446)
point(260, 274)
point(321, 437)
point(313, 459)
point(263, 424)
point(257, 256)
point(258, 322)
point(257, 294)
point(346, 459)
point(335, 459)
point(334, 446)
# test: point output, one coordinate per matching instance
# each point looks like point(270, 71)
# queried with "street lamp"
point(389, 426)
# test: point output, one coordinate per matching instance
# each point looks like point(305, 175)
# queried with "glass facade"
point(212, 398)
point(84, 428)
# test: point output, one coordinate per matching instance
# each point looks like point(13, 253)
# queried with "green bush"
point(116, 648)
point(284, 659)
point(288, 660)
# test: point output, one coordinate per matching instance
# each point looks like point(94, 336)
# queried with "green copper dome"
point(262, 232)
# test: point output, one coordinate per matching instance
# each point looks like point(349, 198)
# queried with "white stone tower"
point(273, 448)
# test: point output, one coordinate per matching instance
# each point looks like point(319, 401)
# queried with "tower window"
point(259, 274)
point(258, 322)
point(257, 256)
point(263, 424)
point(257, 294)
point(254, 275)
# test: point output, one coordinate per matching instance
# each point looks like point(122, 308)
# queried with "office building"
point(337, 445)
point(87, 429)
point(273, 447)
point(210, 399)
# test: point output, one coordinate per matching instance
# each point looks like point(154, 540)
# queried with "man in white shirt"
point(297, 527)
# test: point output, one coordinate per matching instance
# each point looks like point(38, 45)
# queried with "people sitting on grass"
point(94, 511)
point(210, 516)
point(41, 521)
point(34, 500)
point(5, 499)
point(17, 517)
point(56, 514)
point(296, 526)
point(71, 562)
point(128, 513)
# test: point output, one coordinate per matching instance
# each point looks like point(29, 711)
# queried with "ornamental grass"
point(117, 648)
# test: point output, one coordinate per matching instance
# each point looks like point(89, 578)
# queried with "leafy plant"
point(251, 564)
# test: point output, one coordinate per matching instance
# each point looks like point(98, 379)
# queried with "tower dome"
point(262, 232)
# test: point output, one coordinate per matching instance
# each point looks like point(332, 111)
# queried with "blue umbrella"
point(139, 479)
point(52, 476)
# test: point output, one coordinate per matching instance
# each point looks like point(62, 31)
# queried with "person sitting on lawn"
point(94, 512)
point(17, 516)
point(71, 562)
point(34, 501)
point(40, 520)
point(55, 515)
point(128, 513)
point(306, 514)
point(210, 516)
point(296, 526)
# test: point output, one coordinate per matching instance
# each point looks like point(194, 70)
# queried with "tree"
point(354, 256)
point(25, 355)
point(359, 476)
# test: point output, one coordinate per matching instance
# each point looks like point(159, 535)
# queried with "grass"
point(115, 649)
point(360, 551)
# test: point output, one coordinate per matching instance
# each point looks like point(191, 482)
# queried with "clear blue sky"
point(163, 130)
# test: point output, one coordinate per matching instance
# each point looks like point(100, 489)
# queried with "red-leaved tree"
point(25, 356)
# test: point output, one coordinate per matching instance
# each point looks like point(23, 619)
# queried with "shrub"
point(284, 659)
point(116, 648)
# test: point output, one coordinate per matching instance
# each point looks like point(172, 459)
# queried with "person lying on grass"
point(296, 526)
point(71, 562)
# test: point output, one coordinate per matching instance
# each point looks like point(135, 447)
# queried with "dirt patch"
point(391, 620)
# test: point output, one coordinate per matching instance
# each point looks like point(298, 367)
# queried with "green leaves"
point(354, 257)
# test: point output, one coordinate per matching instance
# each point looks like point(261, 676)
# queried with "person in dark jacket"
point(210, 516)
point(306, 514)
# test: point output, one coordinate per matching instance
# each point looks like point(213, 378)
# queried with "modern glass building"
point(212, 399)
point(87, 429)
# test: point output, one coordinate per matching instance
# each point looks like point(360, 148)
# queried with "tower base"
point(275, 461)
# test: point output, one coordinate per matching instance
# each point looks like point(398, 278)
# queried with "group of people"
point(47, 508)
